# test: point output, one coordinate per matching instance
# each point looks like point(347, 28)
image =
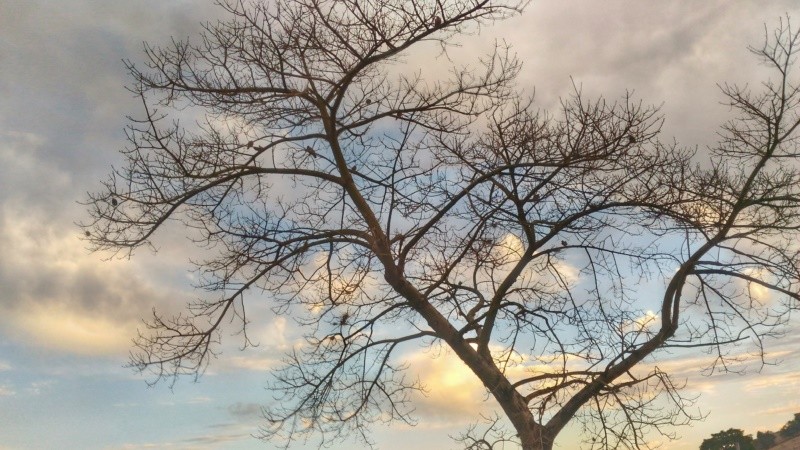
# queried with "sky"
point(67, 316)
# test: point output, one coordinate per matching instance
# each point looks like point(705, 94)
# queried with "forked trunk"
point(532, 435)
point(535, 440)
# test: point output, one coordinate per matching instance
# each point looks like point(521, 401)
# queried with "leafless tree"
point(383, 211)
point(493, 437)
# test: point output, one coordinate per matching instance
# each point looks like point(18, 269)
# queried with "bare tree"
point(384, 211)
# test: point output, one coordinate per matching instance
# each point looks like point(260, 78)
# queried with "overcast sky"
point(67, 316)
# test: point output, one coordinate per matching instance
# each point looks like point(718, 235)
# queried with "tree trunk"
point(532, 435)
point(535, 439)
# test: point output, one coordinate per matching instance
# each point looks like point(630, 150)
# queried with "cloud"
point(213, 440)
point(212, 436)
point(38, 387)
point(198, 400)
point(273, 334)
point(788, 382)
point(28, 178)
point(640, 324)
point(57, 296)
point(243, 411)
point(63, 98)
point(786, 410)
point(270, 336)
point(147, 445)
point(454, 396)
point(59, 327)
point(761, 294)
point(509, 249)
point(451, 389)
point(254, 363)
point(6, 390)
point(630, 48)
point(222, 434)
point(64, 102)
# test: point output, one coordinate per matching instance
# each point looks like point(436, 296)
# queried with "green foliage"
point(732, 439)
point(765, 440)
point(792, 427)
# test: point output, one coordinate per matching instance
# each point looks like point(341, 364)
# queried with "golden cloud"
point(60, 297)
point(62, 328)
point(453, 393)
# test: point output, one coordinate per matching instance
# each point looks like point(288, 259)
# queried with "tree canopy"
point(731, 439)
point(764, 440)
point(384, 211)
point(792, 427)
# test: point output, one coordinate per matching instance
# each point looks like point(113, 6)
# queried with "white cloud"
point(254, 363)
point(509, 249)
point(270, 335)
point(758, 292)
point(640, 324)
point(6, 390)
point(38, 387)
